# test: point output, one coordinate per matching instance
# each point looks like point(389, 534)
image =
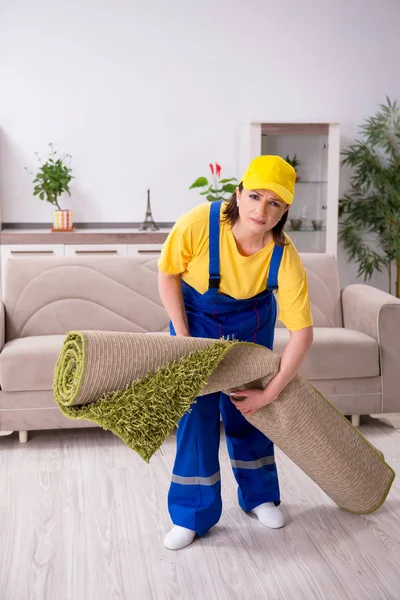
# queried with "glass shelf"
point(314, 182)
point(305, 230)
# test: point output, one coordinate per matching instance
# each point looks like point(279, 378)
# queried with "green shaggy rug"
point(139, 385)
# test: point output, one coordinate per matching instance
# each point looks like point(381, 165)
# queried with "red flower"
point(212, 168)
point(218, 170)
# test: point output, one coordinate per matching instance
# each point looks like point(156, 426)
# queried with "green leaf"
point(228, 180)
point(211, 198)
point(41, 195)
point(200, 182)
point(229, 188)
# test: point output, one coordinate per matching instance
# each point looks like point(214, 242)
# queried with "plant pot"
point(63, 220)
point(317, 224)
point(296, 224)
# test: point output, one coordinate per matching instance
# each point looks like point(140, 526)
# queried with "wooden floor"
point(83, 518)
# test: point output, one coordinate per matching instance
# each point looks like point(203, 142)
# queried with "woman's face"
point(260, 210)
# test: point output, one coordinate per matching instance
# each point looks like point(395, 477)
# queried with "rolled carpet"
point(140, 385)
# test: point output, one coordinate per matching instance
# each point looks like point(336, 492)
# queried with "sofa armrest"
point(2, 325)
point(377, 314)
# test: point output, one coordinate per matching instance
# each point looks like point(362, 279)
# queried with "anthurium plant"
point(217, 188)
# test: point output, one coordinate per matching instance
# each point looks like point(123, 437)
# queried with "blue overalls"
point(194, 498)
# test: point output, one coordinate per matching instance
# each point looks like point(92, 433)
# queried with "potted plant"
point(50, 182)
point(218, 189)
point(294, 161)
point(372, 206)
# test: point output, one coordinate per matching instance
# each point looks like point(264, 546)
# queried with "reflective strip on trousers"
point(196, 480)
point(253, 464)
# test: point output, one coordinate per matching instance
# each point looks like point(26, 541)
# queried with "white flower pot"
point(62, 220)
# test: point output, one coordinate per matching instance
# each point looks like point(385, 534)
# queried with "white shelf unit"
point(317, 146)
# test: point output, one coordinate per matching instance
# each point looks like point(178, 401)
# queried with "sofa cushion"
point(336, 353)
point(27, 364)
point(323, 288)
point(49, 296)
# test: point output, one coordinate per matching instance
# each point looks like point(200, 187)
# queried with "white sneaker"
point(269, 515)
point(179, 537)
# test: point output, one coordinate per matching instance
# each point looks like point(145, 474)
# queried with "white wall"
point(146, 94)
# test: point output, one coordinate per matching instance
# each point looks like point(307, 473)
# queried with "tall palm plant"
point(372, 206)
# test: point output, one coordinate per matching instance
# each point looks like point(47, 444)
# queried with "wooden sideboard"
point(20, 243)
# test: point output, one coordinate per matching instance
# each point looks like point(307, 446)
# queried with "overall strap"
point(277, 254)
point(213, 265)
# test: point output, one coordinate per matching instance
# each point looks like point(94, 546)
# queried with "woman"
point(218, 270)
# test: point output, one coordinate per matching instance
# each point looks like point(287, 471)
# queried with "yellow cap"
point(271, 173)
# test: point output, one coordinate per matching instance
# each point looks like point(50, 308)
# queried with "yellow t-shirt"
point(186, 252)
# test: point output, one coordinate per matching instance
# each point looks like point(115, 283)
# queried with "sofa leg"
point(23, 436)
point(355, 420)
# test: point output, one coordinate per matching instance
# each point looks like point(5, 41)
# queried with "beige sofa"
point(354, 360)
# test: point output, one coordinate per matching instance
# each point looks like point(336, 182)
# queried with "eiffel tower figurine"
point(148, 222)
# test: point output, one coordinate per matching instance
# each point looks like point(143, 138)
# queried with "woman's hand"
point(253, 400)
point(292, 357)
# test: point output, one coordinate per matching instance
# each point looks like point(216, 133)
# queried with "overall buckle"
point(213, 282)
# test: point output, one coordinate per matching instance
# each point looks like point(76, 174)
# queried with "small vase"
point(296, 224)
point(63, 220)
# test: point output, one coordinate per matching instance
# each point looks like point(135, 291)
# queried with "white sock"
point(269, 515)
point(179, 537)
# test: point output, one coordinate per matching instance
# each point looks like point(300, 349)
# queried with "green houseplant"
point(51, 180)
point(217, 189)
point(294, 161)
point(371, 208)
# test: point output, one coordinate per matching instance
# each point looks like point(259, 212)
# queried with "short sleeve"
point(177, 250)
point(292, 295)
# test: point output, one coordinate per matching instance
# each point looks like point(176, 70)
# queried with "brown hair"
point(231, 214)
